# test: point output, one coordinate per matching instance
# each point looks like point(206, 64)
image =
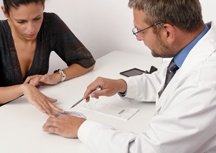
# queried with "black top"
point(54, 35)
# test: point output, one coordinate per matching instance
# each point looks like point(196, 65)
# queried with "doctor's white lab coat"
point(185, 118)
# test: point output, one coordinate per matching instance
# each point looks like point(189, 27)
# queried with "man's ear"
point(169, 33)
point(4, 12)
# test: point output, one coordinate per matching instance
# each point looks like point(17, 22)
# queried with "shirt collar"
point(181, 56)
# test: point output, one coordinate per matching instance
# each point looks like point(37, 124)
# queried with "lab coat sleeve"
point(145, 87)
point(185, 127)
point(104, 139)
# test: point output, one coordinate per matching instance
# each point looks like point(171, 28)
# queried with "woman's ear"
point(4, 12)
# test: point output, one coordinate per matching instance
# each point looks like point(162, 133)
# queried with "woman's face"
point(25, 21)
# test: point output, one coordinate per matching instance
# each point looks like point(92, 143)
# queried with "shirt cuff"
point(87, 130)
point(122, 94)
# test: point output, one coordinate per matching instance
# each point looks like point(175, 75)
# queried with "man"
point(184, 90)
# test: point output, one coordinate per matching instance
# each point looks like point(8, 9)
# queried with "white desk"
point(21, 123)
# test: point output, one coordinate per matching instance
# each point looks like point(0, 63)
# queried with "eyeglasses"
point(135, 31)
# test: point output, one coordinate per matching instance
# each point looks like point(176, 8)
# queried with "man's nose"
point(139, 38)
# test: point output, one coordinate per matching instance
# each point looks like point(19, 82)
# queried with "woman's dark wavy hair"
point(16, 3)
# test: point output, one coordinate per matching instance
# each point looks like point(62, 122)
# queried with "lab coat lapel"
point(197, 55)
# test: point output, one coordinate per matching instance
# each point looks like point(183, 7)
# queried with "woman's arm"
point(10, 93)
point(32, 94)
point(75, 70)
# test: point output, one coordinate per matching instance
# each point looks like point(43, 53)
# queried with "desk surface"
point(21, 123)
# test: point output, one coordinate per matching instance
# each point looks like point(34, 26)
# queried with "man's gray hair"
point(185, 14)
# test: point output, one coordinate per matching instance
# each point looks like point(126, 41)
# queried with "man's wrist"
point(123, 87)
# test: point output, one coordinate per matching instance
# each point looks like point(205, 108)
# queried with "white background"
point(105, 25)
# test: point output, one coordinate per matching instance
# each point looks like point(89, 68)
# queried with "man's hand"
point(108, 87)
point(63, 125)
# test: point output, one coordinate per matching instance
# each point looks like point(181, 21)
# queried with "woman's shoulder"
point(52, 22)
point(3, 23)
point(51, 17)
point(4, 28)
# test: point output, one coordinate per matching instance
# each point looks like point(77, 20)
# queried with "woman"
point(27, 38)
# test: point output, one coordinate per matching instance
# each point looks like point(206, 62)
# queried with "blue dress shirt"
point(181, 56)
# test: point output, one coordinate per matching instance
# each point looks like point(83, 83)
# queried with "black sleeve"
point(66, 44)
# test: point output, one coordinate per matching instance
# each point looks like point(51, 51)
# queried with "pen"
point(98, 88)
point(77, 103)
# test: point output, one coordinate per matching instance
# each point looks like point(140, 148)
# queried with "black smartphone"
point(132, 72)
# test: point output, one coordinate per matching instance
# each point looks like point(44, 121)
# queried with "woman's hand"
point(47, 79)
point(41, 101)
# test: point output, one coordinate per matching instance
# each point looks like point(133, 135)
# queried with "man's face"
point(25, 21)
point(152, 40)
